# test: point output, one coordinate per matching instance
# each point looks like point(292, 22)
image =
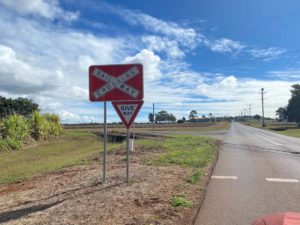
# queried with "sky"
point(210, 56)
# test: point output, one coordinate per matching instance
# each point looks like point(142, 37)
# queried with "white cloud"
point(235, 94)
point(186, 36)
point(51, 64)
point(267, 54)
point(78, 93)
point(21, 77)
point(164, 44)
point(224, 45)
point(69, 117)
point(284, 74)
point(150, 61)
point(48, 9)
point(172, 38)
point(223, 89)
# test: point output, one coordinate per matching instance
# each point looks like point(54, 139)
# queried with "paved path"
point(258, 172)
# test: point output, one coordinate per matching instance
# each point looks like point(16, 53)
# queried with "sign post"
point(104, 142)
point(116, 83)
point(127, 111)
point(127, 157)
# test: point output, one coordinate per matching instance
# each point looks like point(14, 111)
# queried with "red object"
point(128, 111)
point(116, 82)
point(288, 218)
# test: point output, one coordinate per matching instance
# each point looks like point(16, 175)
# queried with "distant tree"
point(293, 107)
point(161, 117)
point(164, 116)
point(193, 115)
point(21, 106)
point(203, 116)
point(183, 119)
point(171, 117)
point(281, 112)
point(151, 117)
point(256, 117)
point(211, 116)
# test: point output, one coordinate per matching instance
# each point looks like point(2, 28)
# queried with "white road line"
point(224, 177)
point(282, 180)
point(273, 142)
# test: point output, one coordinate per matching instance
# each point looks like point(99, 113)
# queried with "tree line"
point(291, 112)
point(20, 106)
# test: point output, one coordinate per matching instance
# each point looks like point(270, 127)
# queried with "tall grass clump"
point(45, 126)
point(15, 131)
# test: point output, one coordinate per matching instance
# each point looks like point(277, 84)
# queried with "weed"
point(180, 202)
point(194, 177)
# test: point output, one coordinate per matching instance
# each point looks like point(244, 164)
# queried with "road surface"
point(258, 172)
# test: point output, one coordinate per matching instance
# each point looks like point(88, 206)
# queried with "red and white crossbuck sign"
point(116, 82)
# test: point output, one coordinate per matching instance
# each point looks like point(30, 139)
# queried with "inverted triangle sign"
point(127, 110)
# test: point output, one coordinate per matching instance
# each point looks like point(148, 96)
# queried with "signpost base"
point(127, 157)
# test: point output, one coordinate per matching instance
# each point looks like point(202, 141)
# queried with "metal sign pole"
point(104, 143)
point(127, 157)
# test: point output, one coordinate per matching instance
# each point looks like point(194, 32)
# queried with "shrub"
point(1, 130)
point(16, 127)
point(3, 145)
point(15, 130)
point(45, 126)
point(52, 118)
point(39, 126)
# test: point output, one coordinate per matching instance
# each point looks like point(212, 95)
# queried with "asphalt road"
point(258, 172)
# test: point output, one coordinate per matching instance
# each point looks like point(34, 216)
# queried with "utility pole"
point(245, 113)
point(153, 118)
point(262, 107)
point(250, 111)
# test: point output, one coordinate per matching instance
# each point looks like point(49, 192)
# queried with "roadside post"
point(127, 111)
point(104, 142)
point(117, 83)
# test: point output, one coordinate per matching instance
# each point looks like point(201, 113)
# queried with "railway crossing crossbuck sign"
point(116, 82)
point(123, 86)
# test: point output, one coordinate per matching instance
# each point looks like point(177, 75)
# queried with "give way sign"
point(127, 110)
point(116, 82)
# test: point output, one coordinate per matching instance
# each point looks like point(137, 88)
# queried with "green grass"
point(194, 177)
point(77, 147)
point(188, 151)
point(180, 202)
point(290, 132)
point(81, 146)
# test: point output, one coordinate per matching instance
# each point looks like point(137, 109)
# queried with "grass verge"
point(188, 151)
point(291, 130)
point(196, 153)
point(76, 147)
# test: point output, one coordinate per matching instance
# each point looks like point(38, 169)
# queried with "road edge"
point(206, 183)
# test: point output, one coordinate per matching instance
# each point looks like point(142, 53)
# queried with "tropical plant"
point(193, 115)
point(15, 130)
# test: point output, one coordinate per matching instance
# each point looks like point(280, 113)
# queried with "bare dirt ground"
point(76, 195)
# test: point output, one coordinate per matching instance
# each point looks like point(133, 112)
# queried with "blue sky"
point(211, 56)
